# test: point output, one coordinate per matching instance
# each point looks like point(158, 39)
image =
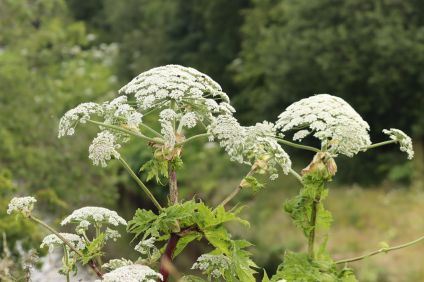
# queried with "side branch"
point(383, 250)
point(298, 146)
point(140, 183)
point(238, 188)
point(126, 131)
point(91, 263)
point(380, 144)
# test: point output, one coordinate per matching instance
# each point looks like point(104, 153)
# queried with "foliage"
point(46, 43)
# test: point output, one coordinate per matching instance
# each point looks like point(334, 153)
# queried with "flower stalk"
point(91, 263)
point(382, 250)
point(140, 183)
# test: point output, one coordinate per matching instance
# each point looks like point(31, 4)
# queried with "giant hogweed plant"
point(182, 105)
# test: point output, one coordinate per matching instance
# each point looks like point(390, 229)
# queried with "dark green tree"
point(368, 52)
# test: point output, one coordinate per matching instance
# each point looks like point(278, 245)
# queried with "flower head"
point(116, 263)
point(404, 140)
point(103, 148)
point(212, 265)
point(96, 215)
point(187, 88)
point(132, 273)
point(144, 247)
point(250, 144)
point(119, 112)
point(330, 119)
point(51, 241)
point(23, 205)
point(79, 114)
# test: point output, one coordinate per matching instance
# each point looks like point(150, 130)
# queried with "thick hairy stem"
point(173, 187)
point(311, 237)
point(140, 183)
point(383, 250)
point(91, 263)
point(166, 259)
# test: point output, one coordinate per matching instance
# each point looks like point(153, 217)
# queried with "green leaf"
point(252, 182)
point(93, 249)
point(184, 241)
point(156, 169)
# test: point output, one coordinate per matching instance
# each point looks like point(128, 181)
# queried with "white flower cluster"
point(187, 87)
point(103, 148)
point(145, 247)
point(93, 215)
point(51, 241)
point(23, 205)
point(167, 118)
point(119, 112)
point(250, 144)
point(111, 234)
point(79, 114)
point(116, 263)
point(330, 119)
point(132, 273)
point(212, 264)
point(404, 140)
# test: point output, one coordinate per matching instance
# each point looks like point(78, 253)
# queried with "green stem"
point(140, 183)
point(193, 138)
point(380, 144)
point(48, 227)
point(127, 131)
point(99, 257)
point(383, 250)
point(151, 130)
point(311, 237)
point(296, 145)
point(238, 188)
point(295, 174)
point(66, 255)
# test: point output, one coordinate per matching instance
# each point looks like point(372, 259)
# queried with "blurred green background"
point(266, 54)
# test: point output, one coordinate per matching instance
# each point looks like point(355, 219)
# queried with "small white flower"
point(330, 119)
point(116, 263)
point(213, 265)
point(111, 234)
point(23, 205)
point(96, 215)
point(250, 144)
point(79, 114)
point(146, 246)
point(132, 273)
point(119, 112)
point(166, 119)
point(51, 241)
point(189, 120)
point(103, 148)
point(404, 140)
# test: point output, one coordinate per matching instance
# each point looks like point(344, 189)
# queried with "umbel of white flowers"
point(250, 144)
point(330, 119)
point(404, 140)
point(51, 241)
point(22, 205)
point(86, 216)
point(132, 273)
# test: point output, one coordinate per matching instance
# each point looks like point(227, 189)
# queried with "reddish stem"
point(167, 256)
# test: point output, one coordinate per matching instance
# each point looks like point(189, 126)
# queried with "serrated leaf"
point(184, 241)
